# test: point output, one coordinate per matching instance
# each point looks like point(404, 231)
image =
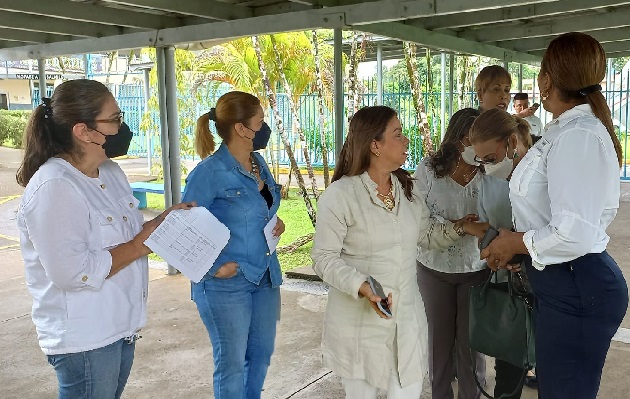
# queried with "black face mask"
point(261, 138)
point(117, 145)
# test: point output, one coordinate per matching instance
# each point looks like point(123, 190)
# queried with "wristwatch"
point(459, 228)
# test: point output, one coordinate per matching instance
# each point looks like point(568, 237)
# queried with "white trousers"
point(360, 389)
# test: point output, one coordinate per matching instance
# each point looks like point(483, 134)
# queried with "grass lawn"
point(292, 211)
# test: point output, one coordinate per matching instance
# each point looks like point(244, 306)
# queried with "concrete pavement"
point(174, 358)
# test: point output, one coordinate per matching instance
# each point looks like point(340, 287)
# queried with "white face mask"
point(468, 155)
point(502, 169)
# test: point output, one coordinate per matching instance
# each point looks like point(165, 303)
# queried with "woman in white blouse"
point(82, 240)
point(449, 183)
point(370, 221)
point(564, 194)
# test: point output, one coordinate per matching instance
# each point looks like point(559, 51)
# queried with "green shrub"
point(12, 126)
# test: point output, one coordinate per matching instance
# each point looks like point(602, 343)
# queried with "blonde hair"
point(496, 124)
point(232, 108)
point(573, 62)
point(489, 74)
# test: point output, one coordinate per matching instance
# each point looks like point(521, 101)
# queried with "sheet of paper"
point(190, 240)
point(272, 242)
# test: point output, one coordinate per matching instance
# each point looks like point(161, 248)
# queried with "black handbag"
point(501, 323)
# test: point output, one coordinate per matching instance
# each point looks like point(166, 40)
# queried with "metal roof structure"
point(511, 30)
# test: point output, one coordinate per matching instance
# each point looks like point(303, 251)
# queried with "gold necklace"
point(388, 199)
point(466, 176)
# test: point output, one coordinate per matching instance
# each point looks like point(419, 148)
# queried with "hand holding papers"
point(272, 241)
point(190, 240)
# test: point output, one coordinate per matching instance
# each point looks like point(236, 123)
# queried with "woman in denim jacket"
point(239, 298)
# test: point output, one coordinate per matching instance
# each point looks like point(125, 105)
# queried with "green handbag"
point(501, 323)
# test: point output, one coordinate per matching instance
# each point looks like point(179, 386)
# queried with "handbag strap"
point(529, 331)
point(486, 394)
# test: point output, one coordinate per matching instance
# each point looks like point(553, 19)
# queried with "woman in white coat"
point(370, 221)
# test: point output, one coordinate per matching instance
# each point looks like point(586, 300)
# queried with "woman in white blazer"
point(370, 221)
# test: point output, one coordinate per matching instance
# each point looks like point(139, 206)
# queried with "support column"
point(379, 74)
point(442, 96)
point(41, 66)
point(338, 97)
point(173, 125)
point(608, 80)
point(166, 168)
point(451, 84)
point(520, 78)
point(147, 91)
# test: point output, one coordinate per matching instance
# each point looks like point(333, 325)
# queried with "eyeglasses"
point(486, 161)
point(117, 119)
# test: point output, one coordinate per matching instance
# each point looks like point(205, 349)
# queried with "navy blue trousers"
point(579, 307)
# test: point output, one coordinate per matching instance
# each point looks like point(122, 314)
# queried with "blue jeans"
point(97, 374)
point(241, 319)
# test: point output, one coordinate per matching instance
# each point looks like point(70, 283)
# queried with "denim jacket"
point(220, 184)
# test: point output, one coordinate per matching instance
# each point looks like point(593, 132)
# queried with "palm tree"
point(294, 104)
point(270, 94)
point(320, 108)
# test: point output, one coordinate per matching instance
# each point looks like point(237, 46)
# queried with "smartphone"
point(535, 106)
point(377, 288)
point(487, 238)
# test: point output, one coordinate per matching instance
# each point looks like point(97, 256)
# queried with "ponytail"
point(204, 141)
point(600, 108)
point(524, 131)
point(41, 142)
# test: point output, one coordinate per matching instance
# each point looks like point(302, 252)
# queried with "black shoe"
point(531, 382)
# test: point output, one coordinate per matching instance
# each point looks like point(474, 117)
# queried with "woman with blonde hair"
point(239, 298)
point(370, 221)
point(564, 194)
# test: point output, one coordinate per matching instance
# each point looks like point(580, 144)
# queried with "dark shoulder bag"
point(501, 323)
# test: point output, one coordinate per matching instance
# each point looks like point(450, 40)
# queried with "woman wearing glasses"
point(449, 183)
point(89, 279)
point(564, 194)
point(500, 141)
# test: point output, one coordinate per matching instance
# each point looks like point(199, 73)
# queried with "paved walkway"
point(174, 358)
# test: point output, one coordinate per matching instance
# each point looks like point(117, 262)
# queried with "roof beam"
point(200, 8)
point(87, 12)
point(32, 37)
point(541, 43)
point(619, 54)
point(602, 20)
point(507, 14)
point(439, 40)
point(329, 17)
point(38, 23)
point(612, 47)
point(9, 44)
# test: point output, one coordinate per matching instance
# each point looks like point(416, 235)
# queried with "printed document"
point(272, 241)
point(190, 240)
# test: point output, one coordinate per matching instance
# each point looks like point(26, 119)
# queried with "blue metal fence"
point(145, 122)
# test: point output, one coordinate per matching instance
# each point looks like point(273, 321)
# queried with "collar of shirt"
point(566, 117)
point(226, 157)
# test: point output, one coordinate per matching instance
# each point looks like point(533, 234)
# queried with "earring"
point(88, 141)
point(544, 95)
point(377, 153)
point(515, 155)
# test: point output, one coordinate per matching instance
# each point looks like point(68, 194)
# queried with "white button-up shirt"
point(68, 222)
point(565, 191)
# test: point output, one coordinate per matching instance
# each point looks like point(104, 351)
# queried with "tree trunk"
point(418, 103)
point(279, 125)
point(124, 79)
point(110, 56)
point(289, 249)
point(296, 118)
point(320, 106)
point(352, 78)
point(463, 79)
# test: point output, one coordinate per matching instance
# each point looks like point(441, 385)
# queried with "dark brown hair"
point(49, 129)
point(496, 124)
point(366, 125)
point(445, 159)
point(573, 62)
point(489, 74)
point(232, 108)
